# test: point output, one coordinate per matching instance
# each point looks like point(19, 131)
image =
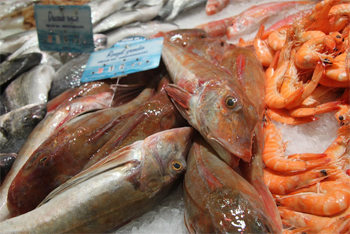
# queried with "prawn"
point(311, 111)
point(284, 183)
point(333, 83)
point(326, 198)
point(319, 95)
point(309, 54)
point(264, 52)
point(273, 152)
point(342, 9)
point(282, 116)
point(278, 37)
point(317, 224)
point(337, 70)
point(273, 65)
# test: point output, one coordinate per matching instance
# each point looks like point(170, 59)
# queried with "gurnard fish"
point(143, 11)
point(68, 76)
point(16, 125)
point(183, 37)
point(217, 199)
point(113, 191)
point(9, 70)
point(252, 18)
point(46, 128)
point(6, 161)
point(144, 29)
point(155, 115)
point(64, 153)
point(208, 99)
point(32, 87)
point(214, 6)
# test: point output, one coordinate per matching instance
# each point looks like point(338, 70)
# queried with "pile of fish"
point(91, 157)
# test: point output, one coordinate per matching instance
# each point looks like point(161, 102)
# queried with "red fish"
point(211, 103)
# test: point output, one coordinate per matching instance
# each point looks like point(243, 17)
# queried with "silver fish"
point(102, 8)
point(146, 29)
point(15, 67)
point(180, 6)
point(69, 75)
point(31, 87)
point(113, 191)
point(13, 42)
point(16, 125)
point(141, 12)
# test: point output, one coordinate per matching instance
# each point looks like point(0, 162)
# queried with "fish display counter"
point(164, 116)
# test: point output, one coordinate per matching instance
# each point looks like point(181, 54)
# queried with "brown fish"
point(155, 115)
point(211, 102)
point(65, 153)
point(217, 199)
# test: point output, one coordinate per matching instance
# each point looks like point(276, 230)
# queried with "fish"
point(144, 29)
point(16, 125)
point(179, 6)
point(3, 56)
point(64, 153)
point(114, 191)
point(68, 76)
point(217, 199)
point(32, 87)
point(46, 127)
point(13, 42)
point(143, 11)
point(10, 69)
point(6, 161)
point(210, 102)
point(102, 8)
point(183, 37)
point(214, 6)
point(253, 17)
point(155, 115)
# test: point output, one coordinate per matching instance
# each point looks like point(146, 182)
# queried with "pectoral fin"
point(181, 98)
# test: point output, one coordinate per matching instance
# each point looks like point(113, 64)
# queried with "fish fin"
point(114, 160)
point(181, 98)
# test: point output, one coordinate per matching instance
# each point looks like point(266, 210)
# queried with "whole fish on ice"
point(143, 11)
point(217, 199)
point(16, 125)
point(10, 69)
point(113, 191)
point(13, 42)
point(64, 154)
point(31, 87)
point(45, 129)
point(211, 103)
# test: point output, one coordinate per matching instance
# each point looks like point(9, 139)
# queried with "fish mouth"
point(245, 153)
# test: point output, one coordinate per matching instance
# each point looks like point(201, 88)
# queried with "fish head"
point(164, 157)
point(232, 211)
point(32, 114)
point(226, 119)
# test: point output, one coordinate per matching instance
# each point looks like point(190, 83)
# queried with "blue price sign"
point(64, 28)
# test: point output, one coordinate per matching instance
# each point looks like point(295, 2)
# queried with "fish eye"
point(176, 165)
point(43, 159)
point(230, 102)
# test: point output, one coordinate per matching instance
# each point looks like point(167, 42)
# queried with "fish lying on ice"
point(103, 8)
point(113, 191)
point(44, 129)
point(64, 153)
point(217, 199)
point(31, 87)
point(145, 29)
point(211, 103)
point(10, 69)
point(13, 42)
point(68, 76)
point(143, 11)
point(16, 125)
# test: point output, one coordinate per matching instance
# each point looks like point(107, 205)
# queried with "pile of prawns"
point(307, 63)
point(308, 73)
